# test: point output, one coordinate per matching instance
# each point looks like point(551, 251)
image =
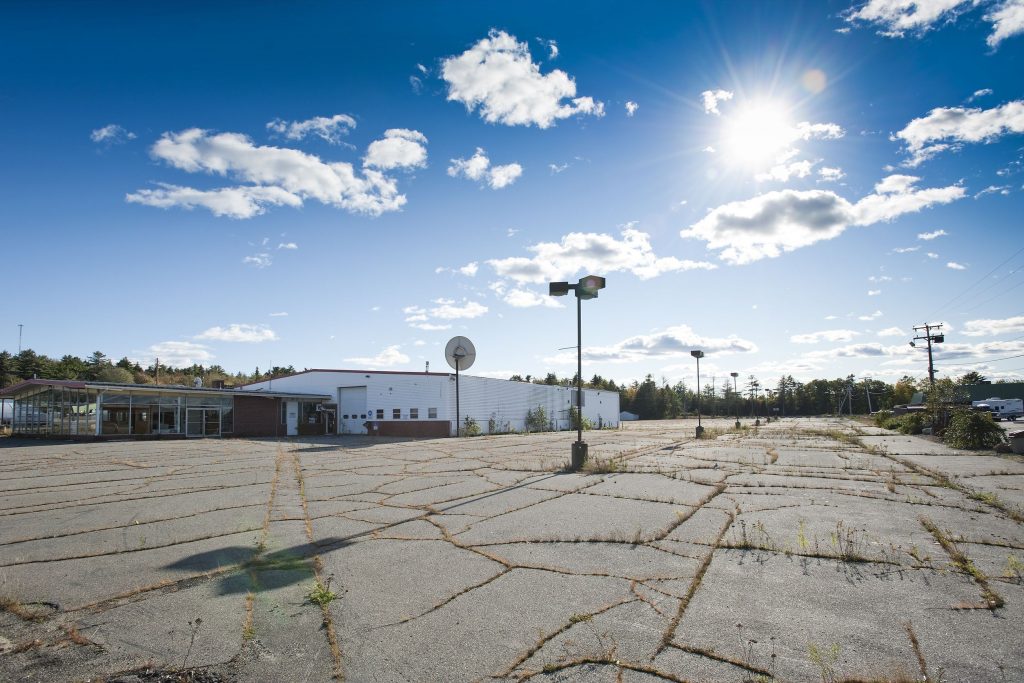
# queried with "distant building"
point(388, 403)
point(985, 390)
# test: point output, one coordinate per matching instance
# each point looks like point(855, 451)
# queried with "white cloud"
point(892, 332)
point(870, 316)
point(111, 134)
point(895, 17)
point(178, 354)
point(524, 298)
point(672, 342)
point(400, 148)
point(239, 333)
point(932, 254)
point(244, 201)
point(389, 357)
point(830, 174)
point(328, 128)
point(469, 270)
point(291, 246)
point(984, 92)
point(280, 176)
point(279, 314)
point(711, 98)
point(991, 328)
point(478, 167)
point(948, 128)
point(557, 168)
point(593, 252)
point(824, 335)
point(1007, 20)
point(783, 172)
point(956, 266)
point(874, 292)
point(905, 250)
point(448, 309)
point(776, 222)
point(631, 107)
point(879, 278)
point(511, 232)
point(709, 149)
point(430, 327)
point(993, 189)
point(261, 260)
point(931, 235)
point(498, 75)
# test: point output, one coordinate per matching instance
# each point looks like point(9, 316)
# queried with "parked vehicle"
point(1001, 408)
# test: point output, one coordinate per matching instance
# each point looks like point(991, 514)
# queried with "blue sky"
point(789, 186)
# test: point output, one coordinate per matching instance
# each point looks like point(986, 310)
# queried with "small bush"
point(908, 423)
point(574, 420)
point(537, 420)
point(470, 427)
point(972, 429)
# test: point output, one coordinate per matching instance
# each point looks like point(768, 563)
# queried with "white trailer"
point(1002, 408)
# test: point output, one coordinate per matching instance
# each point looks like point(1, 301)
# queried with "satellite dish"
point(460, 353)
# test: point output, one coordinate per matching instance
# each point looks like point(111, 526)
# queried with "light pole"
point(586, 288)
point(734, 375)
point(698, 355)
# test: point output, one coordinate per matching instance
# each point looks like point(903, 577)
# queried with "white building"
point(389, 403)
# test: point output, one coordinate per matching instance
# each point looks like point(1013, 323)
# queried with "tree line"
point(97, 367)
point(749, 397)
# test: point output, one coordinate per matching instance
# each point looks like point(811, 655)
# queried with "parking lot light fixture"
point(698, 354)
point(587, 288)
point(734, 375)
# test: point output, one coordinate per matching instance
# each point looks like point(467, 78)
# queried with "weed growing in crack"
point(1014, 568)
point(801, 535)
point(960, 560)
point(825, 660)
point(321, 593)
point(194, 625)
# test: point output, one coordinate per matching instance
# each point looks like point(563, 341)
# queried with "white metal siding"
point(480, 397)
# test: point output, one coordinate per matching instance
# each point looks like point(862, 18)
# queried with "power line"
point(1002, 293)
point(979, 281)
point(991, 360)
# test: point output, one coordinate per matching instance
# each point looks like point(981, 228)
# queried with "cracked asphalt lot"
point(802, 550)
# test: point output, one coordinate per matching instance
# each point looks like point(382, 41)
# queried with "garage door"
point(352, 410)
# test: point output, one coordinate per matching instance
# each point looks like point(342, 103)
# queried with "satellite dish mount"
point(460, 354)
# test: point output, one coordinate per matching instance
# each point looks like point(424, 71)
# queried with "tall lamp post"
point(586, 288)
point(735, 399)
point(698, 355)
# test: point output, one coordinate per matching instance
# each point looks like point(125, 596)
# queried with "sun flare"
point(757, 134)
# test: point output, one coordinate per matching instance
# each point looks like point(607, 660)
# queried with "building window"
point(432, 413)
point(396, 414)
point(380, 413)
point(414, 413)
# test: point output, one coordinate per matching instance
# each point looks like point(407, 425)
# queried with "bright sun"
point(756, 135)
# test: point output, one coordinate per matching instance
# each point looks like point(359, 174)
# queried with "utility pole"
point(930, 338)
point(19, 337)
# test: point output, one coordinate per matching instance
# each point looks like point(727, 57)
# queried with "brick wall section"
point(431, 428)
point(258, 416)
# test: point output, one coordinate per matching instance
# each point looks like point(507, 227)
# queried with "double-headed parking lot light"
point(586, 288)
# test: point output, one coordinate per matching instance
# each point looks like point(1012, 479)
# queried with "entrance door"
point(352, 414)
point(292, 421)
point(202, 422)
